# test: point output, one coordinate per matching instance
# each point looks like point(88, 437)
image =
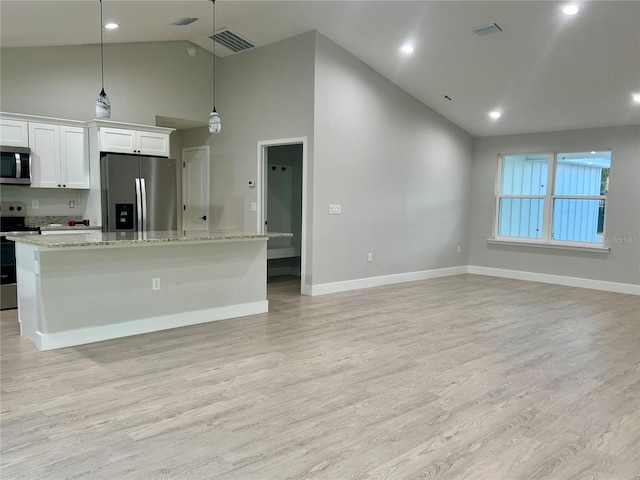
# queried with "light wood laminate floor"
point(465, 377)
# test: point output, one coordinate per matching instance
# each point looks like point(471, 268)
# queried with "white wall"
point(400, 171)
point(622, 264)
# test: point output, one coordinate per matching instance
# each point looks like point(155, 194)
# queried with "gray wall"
point(400, 171)
point(263, 94)
point(622, 264)
point(142, 80)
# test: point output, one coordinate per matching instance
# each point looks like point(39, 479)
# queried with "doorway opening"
point(282, 198)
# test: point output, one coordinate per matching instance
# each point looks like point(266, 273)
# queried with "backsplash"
point(47, 220)
point(50, 201)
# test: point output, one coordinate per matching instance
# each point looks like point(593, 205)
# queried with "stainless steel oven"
point(12, 223)
point(15, 165)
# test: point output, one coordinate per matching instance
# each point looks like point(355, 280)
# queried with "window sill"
point(575, 246)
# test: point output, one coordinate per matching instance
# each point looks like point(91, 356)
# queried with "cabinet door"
point(13, 133)
point(118, 140)
point(152, 143)
point(74, 158)
point(44, 140)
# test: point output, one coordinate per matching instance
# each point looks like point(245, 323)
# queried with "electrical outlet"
point(155, 284)
point(370, 257)
point(35, 204)
point(254, 206)
point(458, 249)
point(335, 209)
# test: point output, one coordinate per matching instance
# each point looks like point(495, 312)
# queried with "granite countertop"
point(99, 239)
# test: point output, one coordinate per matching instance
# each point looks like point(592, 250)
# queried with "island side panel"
point(95, 294)
point(28, 291)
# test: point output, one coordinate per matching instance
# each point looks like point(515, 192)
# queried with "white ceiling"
point(546, 71)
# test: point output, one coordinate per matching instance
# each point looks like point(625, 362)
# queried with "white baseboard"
point(627, 288)
point(81, 336)
point(335, 287)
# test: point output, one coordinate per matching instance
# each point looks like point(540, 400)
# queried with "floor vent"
point(484, 30)
point(231, 40)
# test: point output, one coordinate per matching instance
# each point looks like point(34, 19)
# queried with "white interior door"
point(195, 188)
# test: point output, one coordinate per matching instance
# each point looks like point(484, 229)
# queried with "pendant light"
point(214, 119)
point(103, 105)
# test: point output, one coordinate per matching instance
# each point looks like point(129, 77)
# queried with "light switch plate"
point(335, 209)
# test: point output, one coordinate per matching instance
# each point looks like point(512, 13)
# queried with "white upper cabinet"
point(153, 143)
point(59, 156)
point(45, 155)
point(74, 157)
point(13, 133)
point(117, 140)
point(124, 140)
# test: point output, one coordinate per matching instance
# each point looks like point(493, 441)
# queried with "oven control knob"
point(19, 208)
point(11, 209)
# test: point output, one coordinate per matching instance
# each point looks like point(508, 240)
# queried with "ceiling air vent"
point(231, 40)
point(484, 30)
point(184, 21)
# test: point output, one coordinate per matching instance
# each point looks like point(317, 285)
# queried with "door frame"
point(261, 194)
point(182, 169)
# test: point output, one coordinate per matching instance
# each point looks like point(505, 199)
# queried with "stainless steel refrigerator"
point(139, 193)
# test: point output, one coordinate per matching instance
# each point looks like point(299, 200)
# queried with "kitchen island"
point(84, 288)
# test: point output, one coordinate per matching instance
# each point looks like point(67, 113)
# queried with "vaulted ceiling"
point(545, 71)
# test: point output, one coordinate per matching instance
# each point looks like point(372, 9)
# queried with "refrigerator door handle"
point(139, 211)
point(144, 204)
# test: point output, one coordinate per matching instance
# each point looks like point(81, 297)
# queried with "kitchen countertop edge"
point(99, 239)
point(76, 228)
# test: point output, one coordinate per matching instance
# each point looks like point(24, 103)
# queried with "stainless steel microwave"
point(15, 166)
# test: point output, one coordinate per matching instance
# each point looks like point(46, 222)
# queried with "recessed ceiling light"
point(636, 97)
point(592, 152)
point(570, 9)
point(111, 26)
point(495, 114)
point(407, 48)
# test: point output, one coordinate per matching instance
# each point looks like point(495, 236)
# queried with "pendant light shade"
point(103, 105)
point(215, 126)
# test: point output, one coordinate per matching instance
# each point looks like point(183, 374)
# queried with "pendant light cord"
point(101, 47)
point(214, 54)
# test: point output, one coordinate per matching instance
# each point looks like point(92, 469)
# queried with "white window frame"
point(548, 199)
